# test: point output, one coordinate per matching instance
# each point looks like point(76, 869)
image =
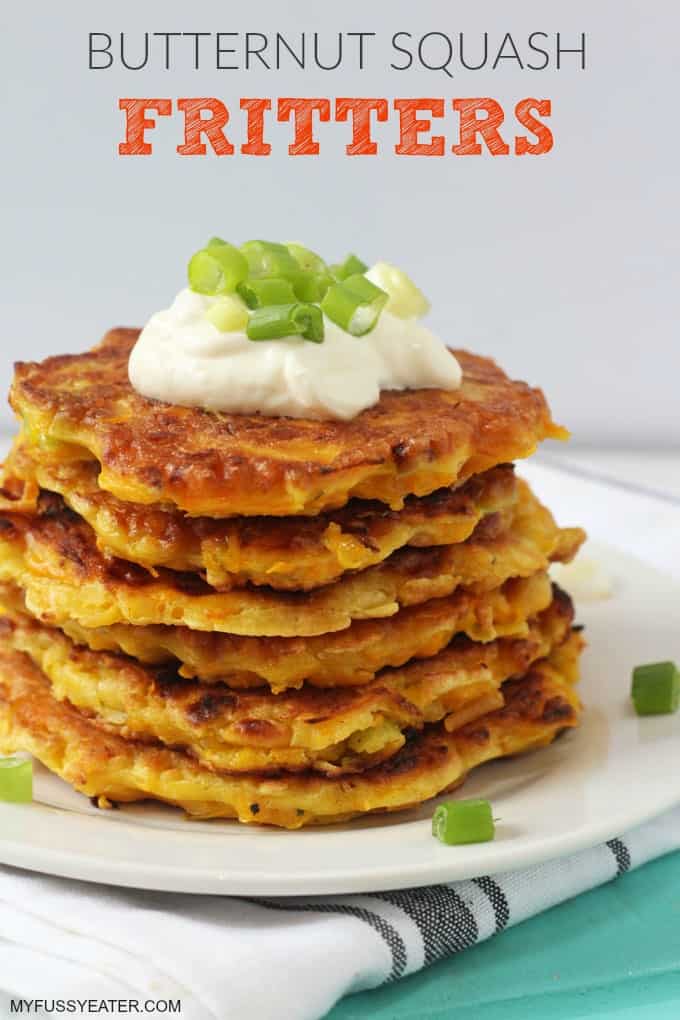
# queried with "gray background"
point(564, 267)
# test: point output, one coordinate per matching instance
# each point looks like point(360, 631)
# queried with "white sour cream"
point(182, 358)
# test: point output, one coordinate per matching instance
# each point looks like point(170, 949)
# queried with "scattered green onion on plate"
point(275, 321)
point(656, 688)
point(456, 822)
point(16, 780)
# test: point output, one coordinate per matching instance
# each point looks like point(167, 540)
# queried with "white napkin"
point(293, 959)
point(228, 959)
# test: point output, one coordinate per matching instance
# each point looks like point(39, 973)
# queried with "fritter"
point(107, 766)
point(345, 658)
point(286, 553)
point(331, 731)
point(222, 465)
point(53, 555)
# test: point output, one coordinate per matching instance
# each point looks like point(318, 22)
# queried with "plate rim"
point(225, 878)
point(168, 878)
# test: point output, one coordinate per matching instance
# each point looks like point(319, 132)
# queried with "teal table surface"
point(613, 953)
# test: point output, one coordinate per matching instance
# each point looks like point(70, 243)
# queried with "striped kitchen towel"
point(286, 959)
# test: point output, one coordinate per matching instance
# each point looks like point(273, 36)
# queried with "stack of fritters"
point(284, 621)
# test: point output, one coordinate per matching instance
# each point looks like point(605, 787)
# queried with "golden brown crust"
point(334, 731)
point(53, 555)
point(285, 553)
point(415, 441)
point(106, 766)
point(348, 657)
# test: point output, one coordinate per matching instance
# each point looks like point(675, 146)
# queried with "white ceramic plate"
point(615, 771)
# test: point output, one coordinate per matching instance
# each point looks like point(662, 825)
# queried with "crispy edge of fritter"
point(54, 557)
point(98, 764)
point(220, 465)
point(344, 658)
point(298, 553)
point(341, 730)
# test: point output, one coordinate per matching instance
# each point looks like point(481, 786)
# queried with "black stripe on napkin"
point(497, 898)
point(444, 920)
point(621, 854)
point(388, 932)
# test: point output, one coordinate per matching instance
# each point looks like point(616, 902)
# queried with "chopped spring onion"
point(306, 259)
point(350, 267)
point(354, 305)
point(311, 286)
point(228, 313)
point(656, 688)
point(260, 292)
point(269, 259)
point(405, 299)
point(299, 287)
point(309, 277)
point(276, 321)
point(16, 780)
point(217, 269)
point(463, 821)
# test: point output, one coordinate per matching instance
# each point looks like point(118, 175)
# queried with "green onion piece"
point(405, 300)
point(16, 780)
point(228, 313)
point(310, 286)
point(354, 305)
point(269, 259)
point(350, 267)
point(260, 292)
point(306, 259)
point(314, 278)
point(463, 821)
point(308, 276)
point(276, 321)
point(217, 269)
point(656, 688)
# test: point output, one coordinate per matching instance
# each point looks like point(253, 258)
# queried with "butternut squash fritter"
point(53, 555)
point(285, 553)
point(222, 465)
point(106, 766)
point(345, 658)
point(331, 731)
